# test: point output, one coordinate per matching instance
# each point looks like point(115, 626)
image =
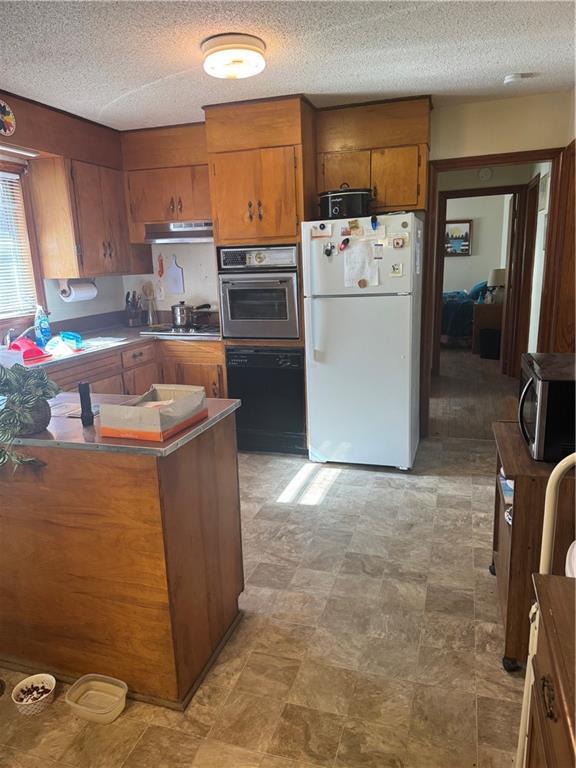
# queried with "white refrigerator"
point(362, 306)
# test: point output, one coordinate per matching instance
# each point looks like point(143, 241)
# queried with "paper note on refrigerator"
point(360, 269)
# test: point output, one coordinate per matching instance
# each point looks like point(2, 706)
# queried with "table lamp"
point(496, 283)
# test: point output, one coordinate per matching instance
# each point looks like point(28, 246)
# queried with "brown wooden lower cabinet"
point(551, 741)
point(128, 563)
point(201, 363)
point(518, 535)
point(113, 385)
point(139, 380)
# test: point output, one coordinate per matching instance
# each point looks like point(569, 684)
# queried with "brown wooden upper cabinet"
point(254, 194)
point(80, 218)
point(396, 175)
point(169, 194)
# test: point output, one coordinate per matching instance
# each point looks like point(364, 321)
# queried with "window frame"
point(21, 322)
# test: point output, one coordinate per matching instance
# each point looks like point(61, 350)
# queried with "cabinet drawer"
point(139, 356)
point(547, 691)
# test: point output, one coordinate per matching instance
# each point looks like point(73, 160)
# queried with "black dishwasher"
point(270, 383)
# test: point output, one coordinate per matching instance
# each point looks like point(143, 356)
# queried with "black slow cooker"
point(345, 203)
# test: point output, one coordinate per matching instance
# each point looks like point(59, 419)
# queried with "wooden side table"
point(485, 316)
point(518, 535)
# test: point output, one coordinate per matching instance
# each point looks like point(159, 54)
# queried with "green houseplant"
point(24, 407)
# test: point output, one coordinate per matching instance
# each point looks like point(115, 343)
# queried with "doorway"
point(484, 298)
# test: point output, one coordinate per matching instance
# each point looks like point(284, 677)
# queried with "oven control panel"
point(271, 257)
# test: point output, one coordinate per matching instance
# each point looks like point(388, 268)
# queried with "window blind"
point(17, 287)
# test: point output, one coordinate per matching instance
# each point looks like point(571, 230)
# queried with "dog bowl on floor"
point(33, 694)
point(97, 698)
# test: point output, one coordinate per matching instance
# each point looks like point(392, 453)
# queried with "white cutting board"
point(174, 277)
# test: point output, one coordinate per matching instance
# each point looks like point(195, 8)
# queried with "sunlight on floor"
point(309, 485)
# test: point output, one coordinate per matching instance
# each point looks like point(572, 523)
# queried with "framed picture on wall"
point(458, 238)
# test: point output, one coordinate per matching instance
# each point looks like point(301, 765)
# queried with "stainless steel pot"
point(186, 316)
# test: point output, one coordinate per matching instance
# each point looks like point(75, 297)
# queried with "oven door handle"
point(256, 284)
point(521, 403)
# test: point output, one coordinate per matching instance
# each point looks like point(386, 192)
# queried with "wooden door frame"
point(443, 197)
point(553, 156)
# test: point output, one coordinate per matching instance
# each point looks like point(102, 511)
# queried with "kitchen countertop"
point(68, 433)
point(125, 337)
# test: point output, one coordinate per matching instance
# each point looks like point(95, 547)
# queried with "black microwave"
point(546, 410)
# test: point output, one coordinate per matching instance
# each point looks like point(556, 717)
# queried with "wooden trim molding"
point(556, 332)
point(552, 155)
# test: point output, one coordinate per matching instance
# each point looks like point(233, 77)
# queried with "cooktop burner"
point(167, 330)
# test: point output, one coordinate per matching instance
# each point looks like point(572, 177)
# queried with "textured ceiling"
point(138, 64)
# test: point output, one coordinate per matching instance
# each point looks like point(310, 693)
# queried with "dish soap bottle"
point(41, 327)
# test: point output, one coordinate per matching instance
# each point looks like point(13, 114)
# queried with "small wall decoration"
point(7, 120)
point(458, 238)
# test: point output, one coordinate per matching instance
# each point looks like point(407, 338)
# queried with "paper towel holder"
point(65, 287)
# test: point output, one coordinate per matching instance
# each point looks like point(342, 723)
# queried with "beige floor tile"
point(297, 607)
point(307, 580)
point(266, 675)
point(493, 681)
point(273, 576)
point(162, 748)
point(498, 721)
point(283, 639)
point(10, 758)
point(489, 637)
point(200, 714)
point(215, 754)
point(408, 594)
point(370, 745)
point(442, 630)
point(456, 602)
point(359, 564)
point(347, 614)
point(307, 735)
point(322, 687)
point(247, 721)
point(103, 746)
point(378, 699)
point(392, 660)
point(338, 649)
point(446, 669)
point(442, 728)
point(352, 585)
point(495, 758)
point(396, 625)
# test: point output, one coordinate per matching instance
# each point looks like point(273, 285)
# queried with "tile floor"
point(371, 636)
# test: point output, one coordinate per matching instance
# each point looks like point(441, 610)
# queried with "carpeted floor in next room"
point(371, 636)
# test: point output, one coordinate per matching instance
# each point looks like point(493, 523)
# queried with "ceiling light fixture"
point(517, 76)
point(17, 151)
point(232, 56)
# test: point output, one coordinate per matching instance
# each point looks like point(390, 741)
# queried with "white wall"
point(540, 121)
point(200, 274)
point(110, 299)
point(539, 258)
point(487, 213)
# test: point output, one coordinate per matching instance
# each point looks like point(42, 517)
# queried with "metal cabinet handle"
point(260, 211)
point(549, 697)
point(109, 249)
point(250, 211)
point(179, 205)
point(172, 205)
point(137, 354)
point(104, 249)
point(214, 389)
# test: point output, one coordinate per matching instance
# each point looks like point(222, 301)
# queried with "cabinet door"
point(535, 751)
point(139, 380)
point(113, 385)
point(276, 203)
point(209, 376)
point(394, 177)
point(233, 185)
point(193, 193)
point(351, 168)
point(153, 194)
point(92, 227)
point(115, 219)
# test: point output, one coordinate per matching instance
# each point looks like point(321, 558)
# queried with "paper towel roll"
point(81, 291)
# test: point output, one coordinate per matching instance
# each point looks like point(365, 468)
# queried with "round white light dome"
point(233, 57)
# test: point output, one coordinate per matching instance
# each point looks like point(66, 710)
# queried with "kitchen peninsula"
point(122, 557)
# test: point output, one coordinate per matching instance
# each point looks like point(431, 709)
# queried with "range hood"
point(179, 232)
